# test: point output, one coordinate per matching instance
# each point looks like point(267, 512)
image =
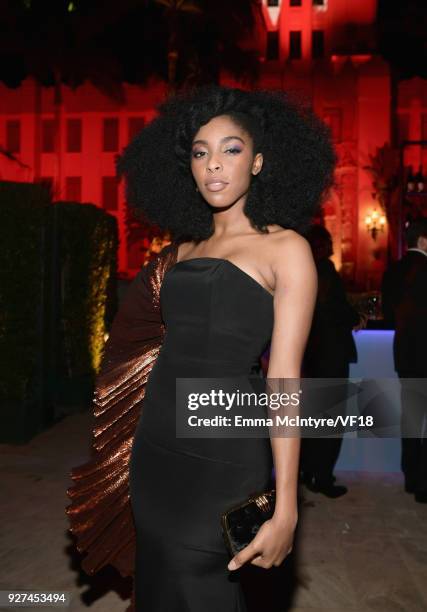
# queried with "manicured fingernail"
point(232, 565)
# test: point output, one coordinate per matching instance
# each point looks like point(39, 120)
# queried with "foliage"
point(88, 247)
point(58, 298)
point(22, 218)
point(385, 170)
point(110, 42)
point(401, 36)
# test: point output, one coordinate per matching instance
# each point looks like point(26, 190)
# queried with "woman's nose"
point(213, 165)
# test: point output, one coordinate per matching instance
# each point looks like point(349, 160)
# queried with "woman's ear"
point(257, 163)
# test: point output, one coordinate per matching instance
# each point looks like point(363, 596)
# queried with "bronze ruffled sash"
point(100, 513)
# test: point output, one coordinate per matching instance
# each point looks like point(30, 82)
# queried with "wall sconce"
point(375, 223)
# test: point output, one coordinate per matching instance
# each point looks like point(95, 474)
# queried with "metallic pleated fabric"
point(100, 513)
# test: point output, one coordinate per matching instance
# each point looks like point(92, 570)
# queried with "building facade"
point(324, 50)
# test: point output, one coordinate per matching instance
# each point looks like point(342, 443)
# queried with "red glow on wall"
point(322, 50)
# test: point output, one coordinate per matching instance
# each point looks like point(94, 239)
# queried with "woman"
point(234, 176)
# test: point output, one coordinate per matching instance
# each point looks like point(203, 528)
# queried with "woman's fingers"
point(246, 554)
point(263, 551)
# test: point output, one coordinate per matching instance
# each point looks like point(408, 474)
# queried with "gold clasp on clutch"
point(262, 503)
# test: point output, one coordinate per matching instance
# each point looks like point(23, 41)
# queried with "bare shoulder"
point(290, 255)
point(289, 244)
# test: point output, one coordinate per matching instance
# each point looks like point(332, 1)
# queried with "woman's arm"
point(294, 300)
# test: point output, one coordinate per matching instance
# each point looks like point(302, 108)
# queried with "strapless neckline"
point(231, 264)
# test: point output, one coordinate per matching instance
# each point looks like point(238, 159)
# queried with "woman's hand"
point(270, 546)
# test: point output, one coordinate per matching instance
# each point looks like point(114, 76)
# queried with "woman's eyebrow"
point(222, 140)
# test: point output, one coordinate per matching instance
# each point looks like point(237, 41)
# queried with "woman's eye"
point(232, 150)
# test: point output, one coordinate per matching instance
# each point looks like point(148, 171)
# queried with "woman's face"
point(222, 161)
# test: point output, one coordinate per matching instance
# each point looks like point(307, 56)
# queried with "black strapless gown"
point(218, 322)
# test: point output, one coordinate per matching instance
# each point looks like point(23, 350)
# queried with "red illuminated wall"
point(322, 50)
point(93, 129)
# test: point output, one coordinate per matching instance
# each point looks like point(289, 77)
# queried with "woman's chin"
point(220, 205)
point(218, 201)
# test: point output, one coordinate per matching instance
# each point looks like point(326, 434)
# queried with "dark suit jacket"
point(330, 345)
point(404, 298)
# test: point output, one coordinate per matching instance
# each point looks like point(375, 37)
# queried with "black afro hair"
point(297, 170)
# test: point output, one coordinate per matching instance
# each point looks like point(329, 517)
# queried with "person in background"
point(404, 300)
point(329, 351)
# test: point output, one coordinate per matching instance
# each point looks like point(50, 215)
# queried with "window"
point(333, 118)
point(317, 44)
point(13, 136)
point(424, 137)
point(295, 45)
point(73, 188)
point(318, 2)
point(294, 2)
point(110, 192)
point(272, 45)
point(423, 126)
point(403, 126)
point(135, 125)
point(48, 135)
point(74, 135)
point(273, 3)
point(110, 139)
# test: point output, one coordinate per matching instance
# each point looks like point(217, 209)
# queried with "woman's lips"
point(219, 186)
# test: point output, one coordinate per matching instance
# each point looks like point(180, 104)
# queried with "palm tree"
point(204, 37)
point(173, 11)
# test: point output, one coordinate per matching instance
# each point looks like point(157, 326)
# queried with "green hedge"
point(58, 265)
point(87, 245)
point(22, 236)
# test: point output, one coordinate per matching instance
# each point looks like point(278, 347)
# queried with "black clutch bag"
point(241, 523)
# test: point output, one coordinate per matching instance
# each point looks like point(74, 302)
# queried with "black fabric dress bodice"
point(218, 321)
point(215, 314)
